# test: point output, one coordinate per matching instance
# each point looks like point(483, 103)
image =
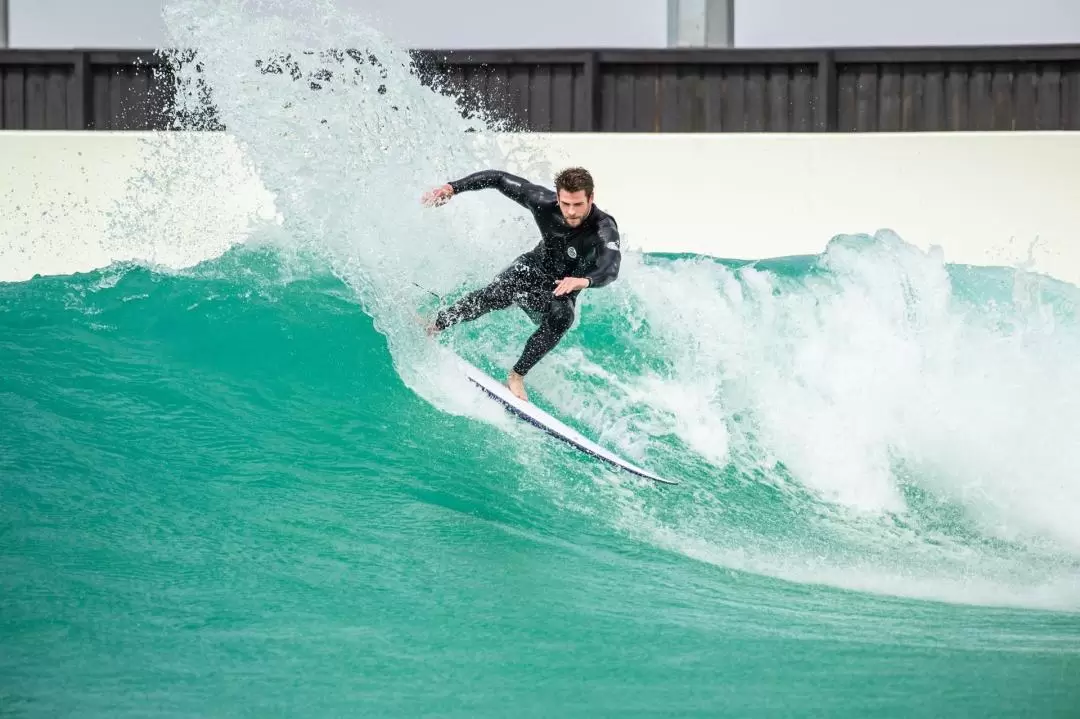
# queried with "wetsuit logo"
point(571, 251)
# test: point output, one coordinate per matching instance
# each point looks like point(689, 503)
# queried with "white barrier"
point(77, 201)
point(989, 199)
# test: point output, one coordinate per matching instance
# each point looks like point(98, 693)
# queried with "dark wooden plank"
point(866, 98)
point(977, 92)
point(1065, 98)
point(713, 97)
point(1003, 114)
point(827, 112)
point(803, 101)
point(956, 92)
point(691, 98)
point(1002, 98)
point(56, 98)
point(980, 102)
point(935, 106)
point(590, 92)
point(735, 119)
point(608, 100)
point(1070, 105)
point(35, 97)
point(519, 97)
point(1025, 84)
point(890, 99)
point(667, 89)
point(564, 100)
point(622, 98)
point(540, 99)
point(847, 108)
point(625, 88)
point(15, 99)
point(911, 98)
point(646, 110)
point(778, 96)
point(80, 86)
point(1048, 97)
point(756, 93)
point(102, 115)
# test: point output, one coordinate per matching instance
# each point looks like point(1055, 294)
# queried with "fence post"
point(827, 115)
point(82, 97)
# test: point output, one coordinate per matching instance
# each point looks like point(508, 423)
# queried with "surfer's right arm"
point(518, 189)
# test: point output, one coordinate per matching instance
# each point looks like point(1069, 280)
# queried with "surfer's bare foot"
point(516, 383)
point(427, 324)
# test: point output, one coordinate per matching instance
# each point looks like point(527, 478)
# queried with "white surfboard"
point(539, 418)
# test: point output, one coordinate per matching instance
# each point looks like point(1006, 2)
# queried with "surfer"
point(578, 249)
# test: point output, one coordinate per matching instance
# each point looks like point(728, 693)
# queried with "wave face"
point(256, 487)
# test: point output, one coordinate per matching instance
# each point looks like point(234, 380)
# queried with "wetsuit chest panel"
point(564, 247)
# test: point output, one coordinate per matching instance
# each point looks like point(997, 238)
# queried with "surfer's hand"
point(569, 284)
point(439, 196)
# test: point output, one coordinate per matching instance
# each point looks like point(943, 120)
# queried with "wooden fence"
point(677, 90)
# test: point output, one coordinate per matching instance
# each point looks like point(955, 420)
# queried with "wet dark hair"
point(574, 179)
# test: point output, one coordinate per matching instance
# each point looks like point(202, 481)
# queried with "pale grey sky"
point(600, 23)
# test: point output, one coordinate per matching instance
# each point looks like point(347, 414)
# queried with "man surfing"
point(578, 249)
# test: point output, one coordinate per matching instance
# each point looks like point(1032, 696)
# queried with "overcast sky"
point(599, 23)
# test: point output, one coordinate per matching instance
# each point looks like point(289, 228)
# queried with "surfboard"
point(539, 418)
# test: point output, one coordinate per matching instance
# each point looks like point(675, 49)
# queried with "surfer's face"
point(575, 206)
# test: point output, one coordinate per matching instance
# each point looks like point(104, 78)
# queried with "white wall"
point(599, 23)
point(72, 202)
point(984, 198)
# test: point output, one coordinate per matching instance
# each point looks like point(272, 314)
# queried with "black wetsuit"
point(590, 250)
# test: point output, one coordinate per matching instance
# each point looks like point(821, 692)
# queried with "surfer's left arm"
point(527, 194)
point(608, 257)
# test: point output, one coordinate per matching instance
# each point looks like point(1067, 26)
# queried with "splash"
point(915, 418)
point(338, 125)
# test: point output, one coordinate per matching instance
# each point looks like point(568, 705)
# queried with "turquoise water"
point(219, 498)
point(255, 488)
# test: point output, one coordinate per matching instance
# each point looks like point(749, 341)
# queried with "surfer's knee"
point(560, 315)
